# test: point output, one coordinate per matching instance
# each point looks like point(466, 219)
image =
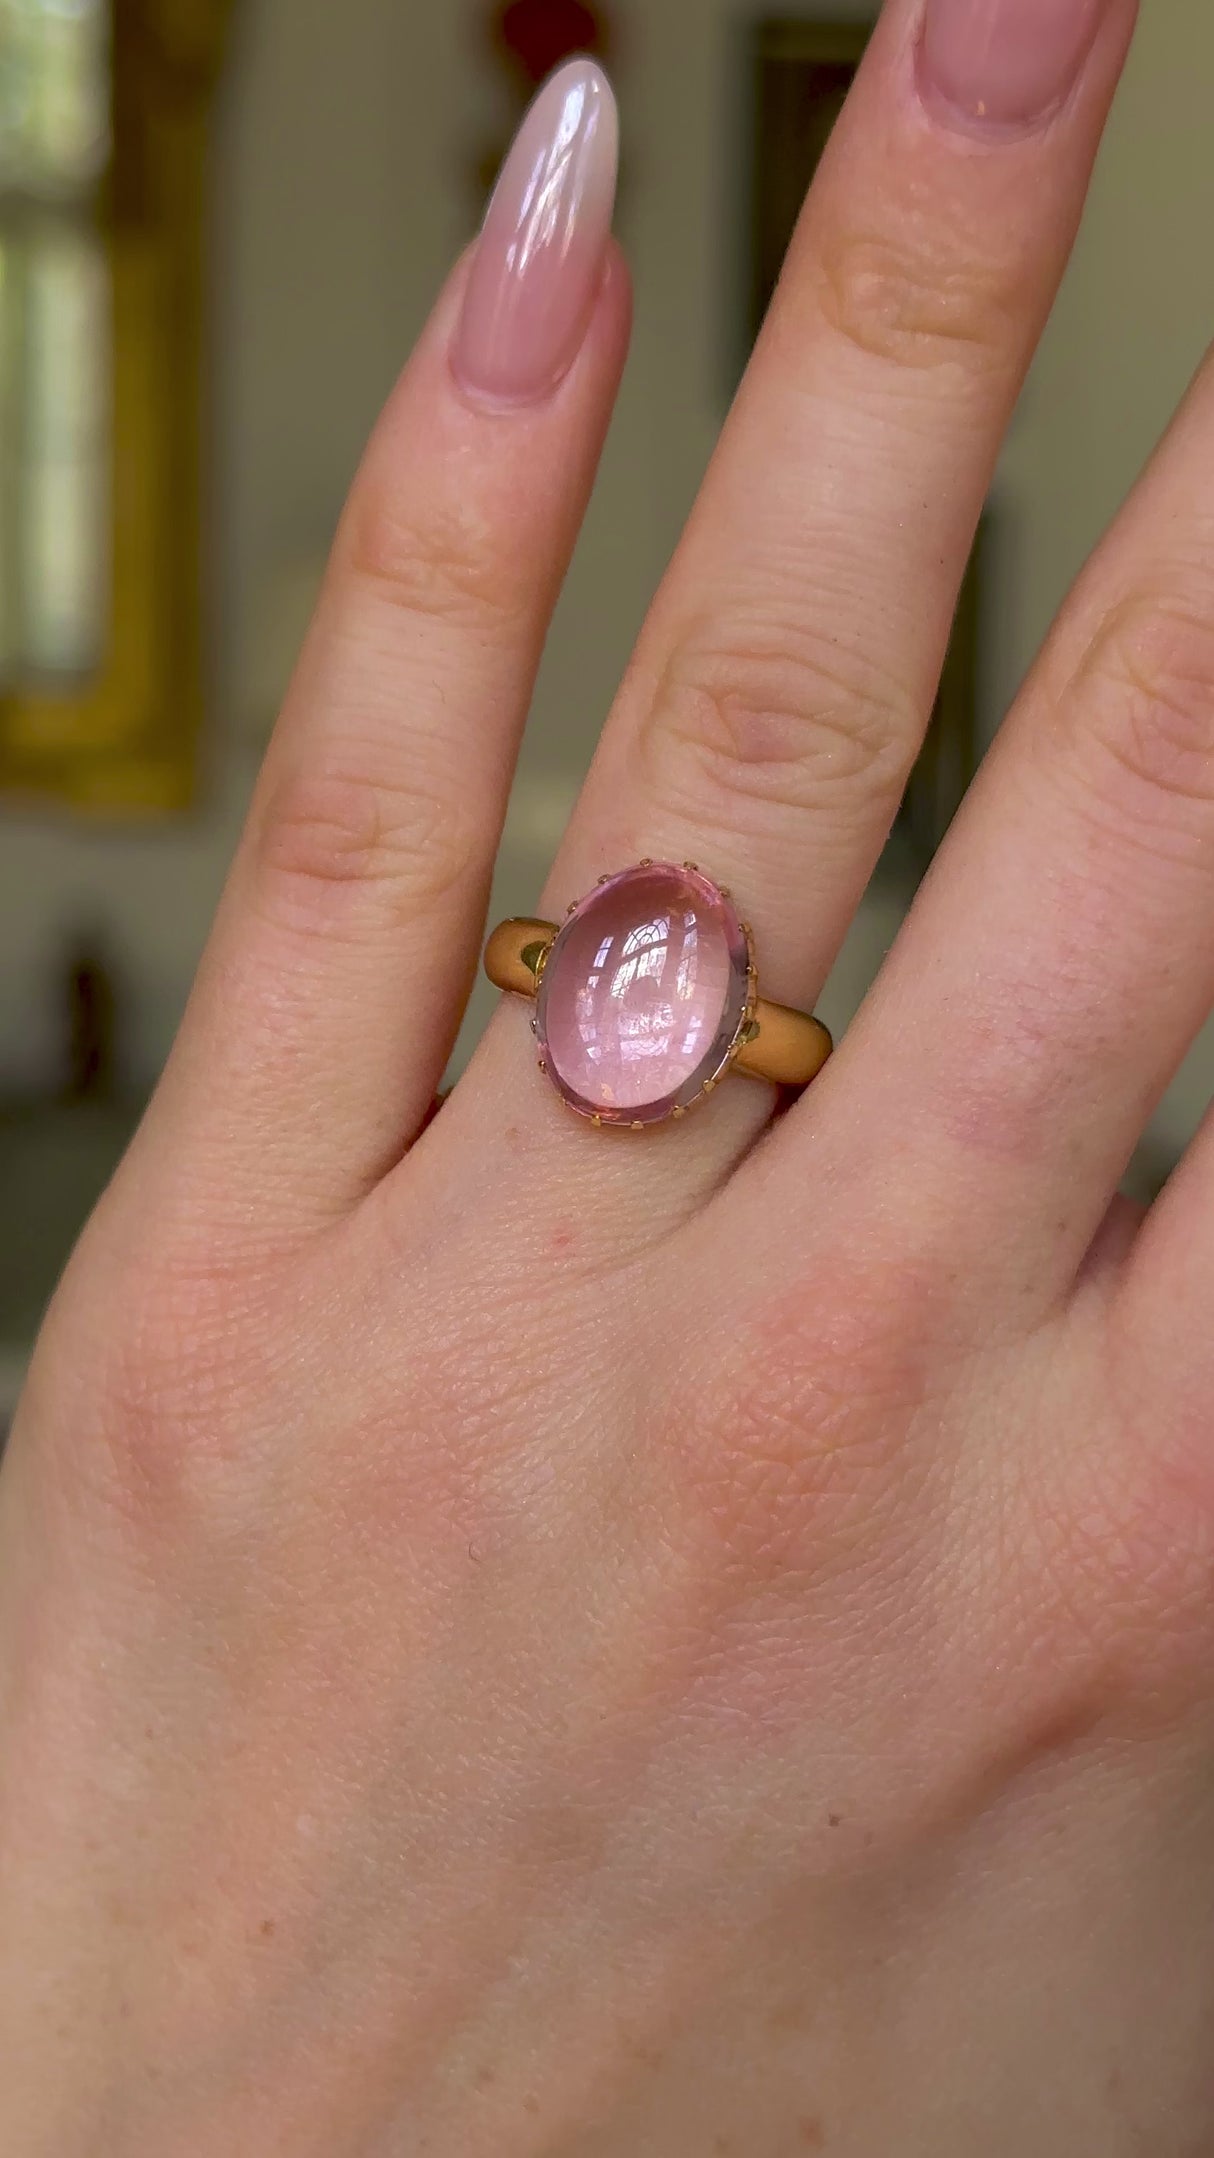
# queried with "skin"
point(514, 1642)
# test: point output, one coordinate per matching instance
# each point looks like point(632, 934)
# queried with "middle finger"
point(786, 674)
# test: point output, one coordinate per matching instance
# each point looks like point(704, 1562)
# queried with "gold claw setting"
point(640, 961)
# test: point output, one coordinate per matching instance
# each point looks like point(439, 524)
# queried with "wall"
point(341, 195)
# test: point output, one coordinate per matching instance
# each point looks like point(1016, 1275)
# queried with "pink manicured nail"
point(1006, 63)
point(539, 261)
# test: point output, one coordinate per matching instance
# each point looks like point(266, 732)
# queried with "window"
point(102, 149)
point(54, 340)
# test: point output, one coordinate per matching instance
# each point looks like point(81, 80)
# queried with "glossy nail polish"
point(1006, 63)
point(538, 265)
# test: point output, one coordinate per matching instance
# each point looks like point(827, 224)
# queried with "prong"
point(694, 868)
point(597, 1122)
point(646, 862)
point(679, 1110)
point(543, 1066)
point(637, 1127)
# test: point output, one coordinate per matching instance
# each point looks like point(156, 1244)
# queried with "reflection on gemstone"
point(643, 995)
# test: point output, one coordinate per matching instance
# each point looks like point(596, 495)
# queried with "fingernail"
point(538, 265)
point(1006, 63)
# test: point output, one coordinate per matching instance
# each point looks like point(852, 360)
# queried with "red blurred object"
point(539, 34)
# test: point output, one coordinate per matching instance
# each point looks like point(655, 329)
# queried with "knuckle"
point(1143, 710)
point(1140, 1523)
point(781, 717)
point(443, 563)
point(916, 301)
point(174, 1393)
point(326, 835)
point(1119, 1575)
point(807, 1436)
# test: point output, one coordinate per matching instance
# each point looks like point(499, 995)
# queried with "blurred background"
point(222, 223)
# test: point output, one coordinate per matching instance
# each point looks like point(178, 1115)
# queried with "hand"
point(519, 1639)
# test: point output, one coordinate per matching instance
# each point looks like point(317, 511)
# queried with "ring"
point(647, 996)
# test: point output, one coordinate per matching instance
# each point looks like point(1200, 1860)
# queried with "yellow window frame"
point(126, 740)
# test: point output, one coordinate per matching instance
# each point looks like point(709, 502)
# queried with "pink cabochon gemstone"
point(644, 993)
